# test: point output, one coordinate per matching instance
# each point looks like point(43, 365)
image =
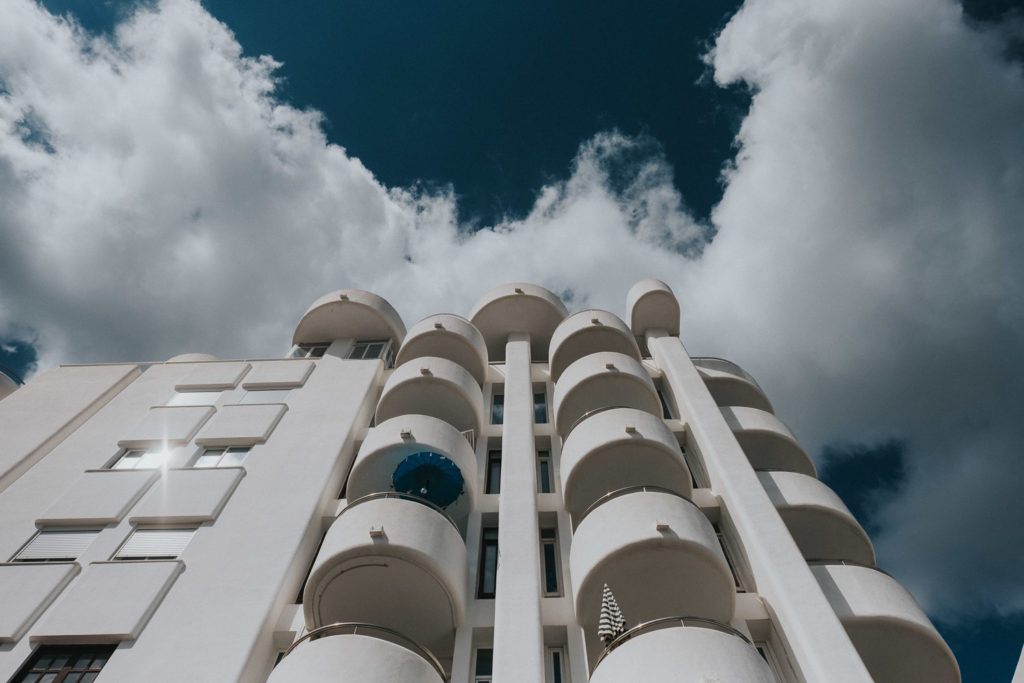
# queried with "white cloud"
point(156, 198)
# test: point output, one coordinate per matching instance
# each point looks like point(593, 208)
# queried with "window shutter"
point(153, 543)
point(56, 545)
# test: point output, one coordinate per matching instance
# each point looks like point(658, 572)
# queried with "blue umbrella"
point(430, 476)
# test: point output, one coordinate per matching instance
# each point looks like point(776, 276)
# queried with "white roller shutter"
point(155, 543)
point(56, 545)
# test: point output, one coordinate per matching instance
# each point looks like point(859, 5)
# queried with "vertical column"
point(819, 643)
point(518, 630)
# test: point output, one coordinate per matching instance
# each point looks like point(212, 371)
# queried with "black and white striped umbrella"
point(612, 624)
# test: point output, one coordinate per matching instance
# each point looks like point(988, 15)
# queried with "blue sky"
point(832, 187)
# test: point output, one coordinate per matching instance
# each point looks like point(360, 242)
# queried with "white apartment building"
point(446, 503)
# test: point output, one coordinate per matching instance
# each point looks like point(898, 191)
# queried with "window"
point(194, 398)
point(549, 556)
point(314, 350)
point(155, 544)
point(493, 483)
point(728, 557)
point(540, 409)
point(498, 409)
point(265, 396)
point(221, 457)
point(554, 665)
point(64, 664)
point(488, 563)
point(376, 348)
point(483, 668)
point(133, 459)
point(56, 545)
point(666, 412)
point(544, 472)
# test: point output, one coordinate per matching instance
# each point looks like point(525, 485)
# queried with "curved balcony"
point(192, 358)
point(652, 306)
point(436, 387)
point(587, 332)
point(423, 450)
point(656, 651)
point(731, 385)
point(395, 561)
point(447, 336)
point(357, 653)
point(893, 636)
point(9, 382)
point(656, 551)
point(616, 448)
point(518, 307)
point(349, 314)
point(602, 380)
point(768, 443)
point(817, 518)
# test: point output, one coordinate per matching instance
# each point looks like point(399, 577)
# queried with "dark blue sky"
point(495, 100)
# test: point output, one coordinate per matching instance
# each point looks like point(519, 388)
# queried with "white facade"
point(446, 504)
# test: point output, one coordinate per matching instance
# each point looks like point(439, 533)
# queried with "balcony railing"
point(390, 635)
point(589, 413)
point(623, 492)
point(670, 622)
point(13, 375)
point(724, 365)
point(401, 496)
point(849, 563)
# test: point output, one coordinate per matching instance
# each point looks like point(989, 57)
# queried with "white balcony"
point(447, 462)
point(518, 307)
point(768, 443)
point(652, 306)
point(447, 336)
point(731, 385)
point(357, 653)
point(436, 387)
point(349, 314)
point(587, 332)
point(395, 562)
point(659, 555)
point(821, 524)
point(602, 380)
point(893, 636)
point(618, 448)
point(680, 648)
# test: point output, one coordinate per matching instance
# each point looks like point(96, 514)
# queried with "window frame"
point(483, 676)
point(164, 455)
point(492, 472)
point(540, 406)
point(498, 407)
point(311, 350)
point(555, 670)
point(386, 352)
point(548, 536)
point(70, 653)
point(225, 452)
point(488, 539)
point(545, 464)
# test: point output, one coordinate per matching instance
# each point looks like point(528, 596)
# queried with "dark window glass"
point(64, 664)
point(484, 661)
point(544, 471)
point(728, 557)
point(540, 409)
point(498, 409)
point(556, 665)
point(488, 563)
point(549, 554)
point(665, 412)
point(493, 472)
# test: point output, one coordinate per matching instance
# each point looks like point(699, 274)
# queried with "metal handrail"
point(402, 496)
point(849, 563)
point(12, 374)
point(330, 629)
point(710, 361)
point(700, 622)
point(625, 491)
point(587, 414)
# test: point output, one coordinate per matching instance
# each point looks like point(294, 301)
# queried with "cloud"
point(156, 197)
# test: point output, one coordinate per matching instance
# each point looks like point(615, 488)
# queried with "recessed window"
point(666, 411)
point(136, 459)
point(221, 457)
point(728, 558)
point(484, 666)
point(493, 483)
point(314, 350)
point(498, 409)
point(194, 398)
point(549, 557)
point(65, 664)
point(554, 666)
point(155, 544)
point(540, 408)
point(373, 348)
point(265, 396)
point(488, 563)
point(56, 545)
point(544, 472)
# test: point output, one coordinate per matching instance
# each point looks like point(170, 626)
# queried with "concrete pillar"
point(518, 628)
point(819, 645)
